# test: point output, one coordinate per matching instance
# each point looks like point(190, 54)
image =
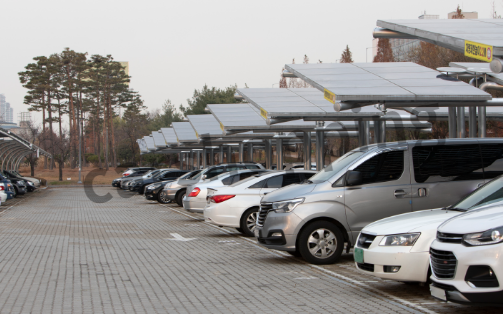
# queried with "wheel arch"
point(332, 220)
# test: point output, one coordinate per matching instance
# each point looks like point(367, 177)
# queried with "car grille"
point(265, 208)
point(365, 240)
point(443, 263)
point(366, 266)
point(449, 237)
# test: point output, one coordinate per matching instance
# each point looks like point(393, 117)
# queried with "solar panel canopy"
point(159, 141)
point(149, 141)
point(205, 125)
point(453, 33)
point(184, 132)
point(169, 135)
point(384, 82)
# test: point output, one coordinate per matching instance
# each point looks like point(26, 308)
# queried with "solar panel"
point(169, 135)
point(452, 33)
point(159, 141)
point(149, 141)
point(184, 132)
point(384, 82)
point(205, 125)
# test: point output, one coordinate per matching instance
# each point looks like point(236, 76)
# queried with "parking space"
point(61, 252)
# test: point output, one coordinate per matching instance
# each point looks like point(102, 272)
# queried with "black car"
point(30, 187)
point(165, 175)
point(18, 184)
point(137, 173)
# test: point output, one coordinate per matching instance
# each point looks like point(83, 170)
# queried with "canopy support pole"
point(482, 121)
point(461, 122)
point(307, 150)
point(221, 158)
point(268, 153)
point(320, 143)
point(279, 154)
point(472, 121)
point(250, 152)
point(212, 157)
point(241, 151)
point(229, 154)
point(198, 156)
point(204, 158)
point(452, 122)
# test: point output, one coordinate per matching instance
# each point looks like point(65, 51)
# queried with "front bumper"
point(284, 223)
point(152, 194)
point(3, 197)
point(193, 204)
point(458, 289)
point(21, 190)
point(413, 265)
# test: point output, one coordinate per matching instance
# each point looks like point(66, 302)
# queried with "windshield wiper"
point(454, 208)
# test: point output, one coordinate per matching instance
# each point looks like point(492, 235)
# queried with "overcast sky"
point(174, 47)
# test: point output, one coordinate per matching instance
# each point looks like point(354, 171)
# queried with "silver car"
point(195, 200)
point(317, 218)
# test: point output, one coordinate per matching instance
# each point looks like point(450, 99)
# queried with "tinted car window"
point(231, 168)
point(291, 178)
point(274, 183)
point(383, 167)
point(214, 172)
point(231, 179)
point(447, 163)
point(259, 184)
point(492, 156)
point(252, 167)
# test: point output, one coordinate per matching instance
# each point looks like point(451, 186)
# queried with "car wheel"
point(179, 197)
point(294, 253)
point(321, 242)
point(249, 221)
point(239, 230)
point(162, 198)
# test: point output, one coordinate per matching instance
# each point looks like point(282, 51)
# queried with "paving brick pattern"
point(62, 253)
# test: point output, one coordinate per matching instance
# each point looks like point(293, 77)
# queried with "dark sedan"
point(166, 175)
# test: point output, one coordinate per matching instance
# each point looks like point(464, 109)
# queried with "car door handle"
point(399, 193)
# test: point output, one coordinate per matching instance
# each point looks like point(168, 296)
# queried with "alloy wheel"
point(251, 221)
point(322, 243)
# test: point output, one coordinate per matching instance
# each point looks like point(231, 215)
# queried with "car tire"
point(239, 230)
point(162, 198)
point(179, 197)
point(321, 242)
point(248, 221)
point(295, 253)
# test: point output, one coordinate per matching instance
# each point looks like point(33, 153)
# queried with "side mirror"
point(203, 177)
point(354, 178)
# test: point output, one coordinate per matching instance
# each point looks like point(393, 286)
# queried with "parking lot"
point(61, 252)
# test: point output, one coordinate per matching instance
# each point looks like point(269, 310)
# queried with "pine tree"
point(347, 56)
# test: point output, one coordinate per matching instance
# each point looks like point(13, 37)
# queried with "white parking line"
point(331, 273)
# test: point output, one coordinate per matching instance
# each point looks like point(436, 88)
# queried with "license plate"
point(438, 293)
point(358, 255)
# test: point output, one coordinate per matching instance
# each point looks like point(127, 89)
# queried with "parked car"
point(369, 183)
point(139, 185)
point(132, 170)
point(195, 201)
point(237, 205)
point(36, 182)
point(466, 260)
point(3, 194)
point(154, 190)
point(172, 189)
point(398, 247)
point(124, 181)
point(178, 193)
point(28, 184)
point(18, 184)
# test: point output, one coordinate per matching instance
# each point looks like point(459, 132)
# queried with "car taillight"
point(220, 198)
point(125, 174)
point(2, 188)
point(195, 192)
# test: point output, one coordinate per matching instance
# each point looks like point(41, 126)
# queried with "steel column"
point(377, 131)
point(229, 154)
point(241, 151)
point(221, 159)
point(452, 122)
point(482, 121)
point(320, 143)
point(472, 121)
point(212, 157)
point(383, 131)
point(203, 156)
point(279, 154)
point(250, 152)
point(307, 150)
point(461, 122)
point(268, 153)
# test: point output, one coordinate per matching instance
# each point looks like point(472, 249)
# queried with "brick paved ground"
point(62, 253)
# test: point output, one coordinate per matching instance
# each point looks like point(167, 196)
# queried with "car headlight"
point(287, 206)
point(491, 236)
point(167, 186)
point(404, 239)
point(30, 183)
point(154, 186)
point(20, 183)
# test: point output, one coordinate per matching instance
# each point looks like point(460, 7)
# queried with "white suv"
point(466, 257)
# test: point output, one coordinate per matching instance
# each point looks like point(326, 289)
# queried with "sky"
point(174, 47)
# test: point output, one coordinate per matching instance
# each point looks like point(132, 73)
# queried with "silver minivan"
point(318, 217)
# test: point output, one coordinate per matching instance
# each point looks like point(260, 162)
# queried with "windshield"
point(252, 178)
point(490, 193)
point(336, 166)
point(188, 175)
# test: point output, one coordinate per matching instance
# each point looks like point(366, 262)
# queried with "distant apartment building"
point(6, 111)
point(467, 15)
